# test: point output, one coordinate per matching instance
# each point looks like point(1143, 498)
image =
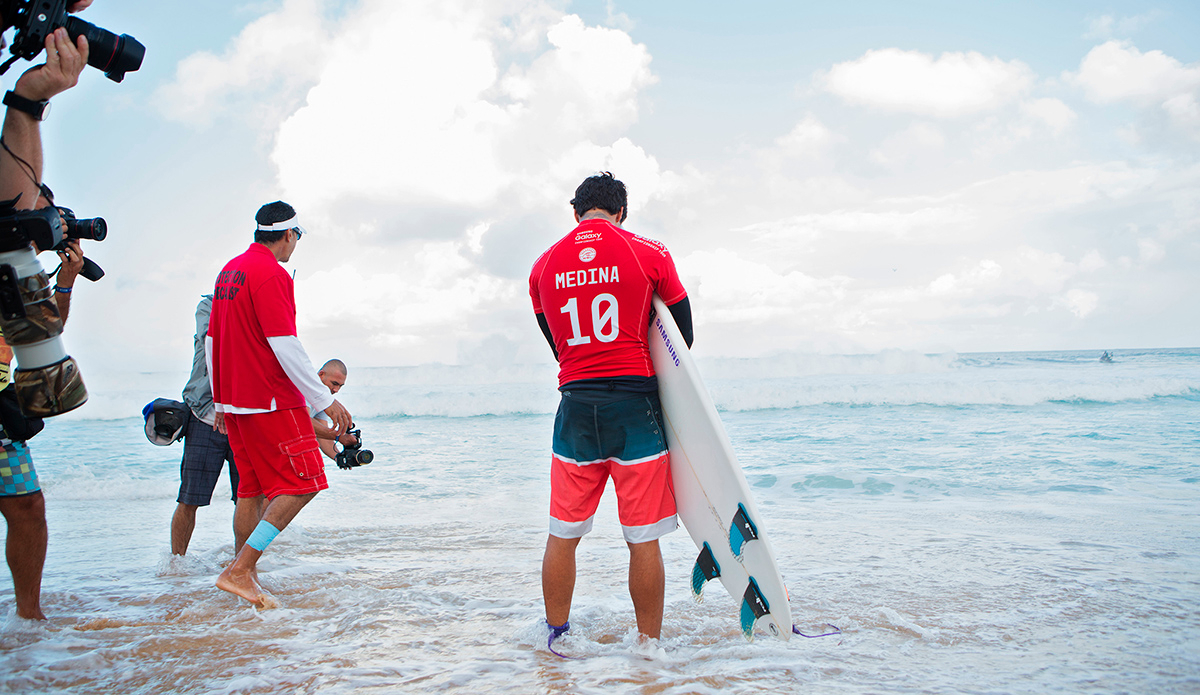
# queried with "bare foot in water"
point(244, 583)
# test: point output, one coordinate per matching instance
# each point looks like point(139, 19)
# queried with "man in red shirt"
point(592, 293)
point(263, 384)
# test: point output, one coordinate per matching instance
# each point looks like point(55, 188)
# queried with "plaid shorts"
point(17, 476)
point(205, 453)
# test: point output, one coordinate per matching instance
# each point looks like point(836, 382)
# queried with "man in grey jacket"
point(205, 450)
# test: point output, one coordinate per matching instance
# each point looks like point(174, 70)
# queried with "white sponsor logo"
point(587, 255)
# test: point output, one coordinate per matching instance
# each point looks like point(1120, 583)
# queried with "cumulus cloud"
point(734, 289)
point(1118, 71)
point(437, 119)
point(809, 136)
point(433, 146)
point(281, 54)
point(951, 85)
point(1079, 302)
point(1053, 113)
point(910, 144)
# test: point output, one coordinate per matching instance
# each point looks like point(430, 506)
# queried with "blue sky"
point(830, 177)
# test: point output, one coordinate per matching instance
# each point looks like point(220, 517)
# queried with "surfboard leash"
point(557, 631)
point(836, 631)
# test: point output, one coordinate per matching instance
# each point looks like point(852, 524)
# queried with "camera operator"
point(21, 500)
point(333, 375)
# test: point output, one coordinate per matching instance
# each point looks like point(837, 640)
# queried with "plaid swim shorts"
point(205, 453)
point(17, 475)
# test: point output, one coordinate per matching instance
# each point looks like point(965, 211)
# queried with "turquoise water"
point(1006, 523)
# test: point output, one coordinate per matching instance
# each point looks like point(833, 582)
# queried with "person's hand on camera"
point(64, 61)
point(79, 5)
point(340, 417)
point(347, 440)
point(72, 263)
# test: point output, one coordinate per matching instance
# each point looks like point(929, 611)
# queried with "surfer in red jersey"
point(592, 293)
point(262, 381)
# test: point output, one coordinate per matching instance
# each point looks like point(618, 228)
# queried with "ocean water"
point(980, 523)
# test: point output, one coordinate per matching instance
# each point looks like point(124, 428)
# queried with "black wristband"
point(38, 109)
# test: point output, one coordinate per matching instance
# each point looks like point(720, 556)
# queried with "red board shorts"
point(623, 440)
point(276, 453)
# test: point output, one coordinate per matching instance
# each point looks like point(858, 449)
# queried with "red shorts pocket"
point(305, 457)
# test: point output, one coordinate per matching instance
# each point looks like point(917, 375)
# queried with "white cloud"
point(436, 118)
point(1079, 302)
point(1092, 261)
point(808, 137)
point(1052, 112)
point(1106, 26)
point(1118, 71)
point(912, 143)
point(1184, 111)
point(954, 84)
point(1150, 251)
point(280, 53)
point(736, 290)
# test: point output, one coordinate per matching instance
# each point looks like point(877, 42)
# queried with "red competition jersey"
point(594, 287)
point(253, 300)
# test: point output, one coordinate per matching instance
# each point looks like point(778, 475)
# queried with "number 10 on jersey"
point(604, 320)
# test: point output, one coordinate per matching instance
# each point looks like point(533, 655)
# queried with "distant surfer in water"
point(592, 293)
point(263, 385)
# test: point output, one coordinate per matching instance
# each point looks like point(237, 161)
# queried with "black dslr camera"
point(94, 228)
point(354, 456)
point(37, 19)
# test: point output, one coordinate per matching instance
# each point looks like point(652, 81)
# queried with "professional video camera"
point(47, 380)
point(37, 19)
point(354, 456)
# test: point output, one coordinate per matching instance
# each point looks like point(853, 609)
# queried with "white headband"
point(283, 226)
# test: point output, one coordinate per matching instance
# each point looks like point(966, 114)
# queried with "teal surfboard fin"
point(741, 531)
point(706, 568)
point(754, 606)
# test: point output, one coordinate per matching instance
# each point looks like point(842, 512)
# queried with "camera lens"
point(364, 457)
point(115, 55)
point(94, 228)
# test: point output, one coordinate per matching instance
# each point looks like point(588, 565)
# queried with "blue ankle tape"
point(263, 534)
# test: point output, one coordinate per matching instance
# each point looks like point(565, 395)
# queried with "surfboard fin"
point(741, 531)
point(754, 606)
point(706, 568)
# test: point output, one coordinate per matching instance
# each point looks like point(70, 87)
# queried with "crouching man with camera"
point(333, 375)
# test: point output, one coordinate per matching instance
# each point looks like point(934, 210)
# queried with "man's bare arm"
point(21, 158)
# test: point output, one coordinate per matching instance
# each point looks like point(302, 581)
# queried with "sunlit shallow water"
point(973, 524)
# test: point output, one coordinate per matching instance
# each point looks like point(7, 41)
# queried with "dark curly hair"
point(602, 191)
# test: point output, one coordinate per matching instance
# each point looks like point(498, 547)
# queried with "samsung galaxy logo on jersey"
point(591, 276)
point(587, 236)
point(656, 245)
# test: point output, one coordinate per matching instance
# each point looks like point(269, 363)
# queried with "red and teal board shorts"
point(623, 439)
point(276, 453)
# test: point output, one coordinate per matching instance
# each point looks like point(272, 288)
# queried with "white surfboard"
point(711, 493)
